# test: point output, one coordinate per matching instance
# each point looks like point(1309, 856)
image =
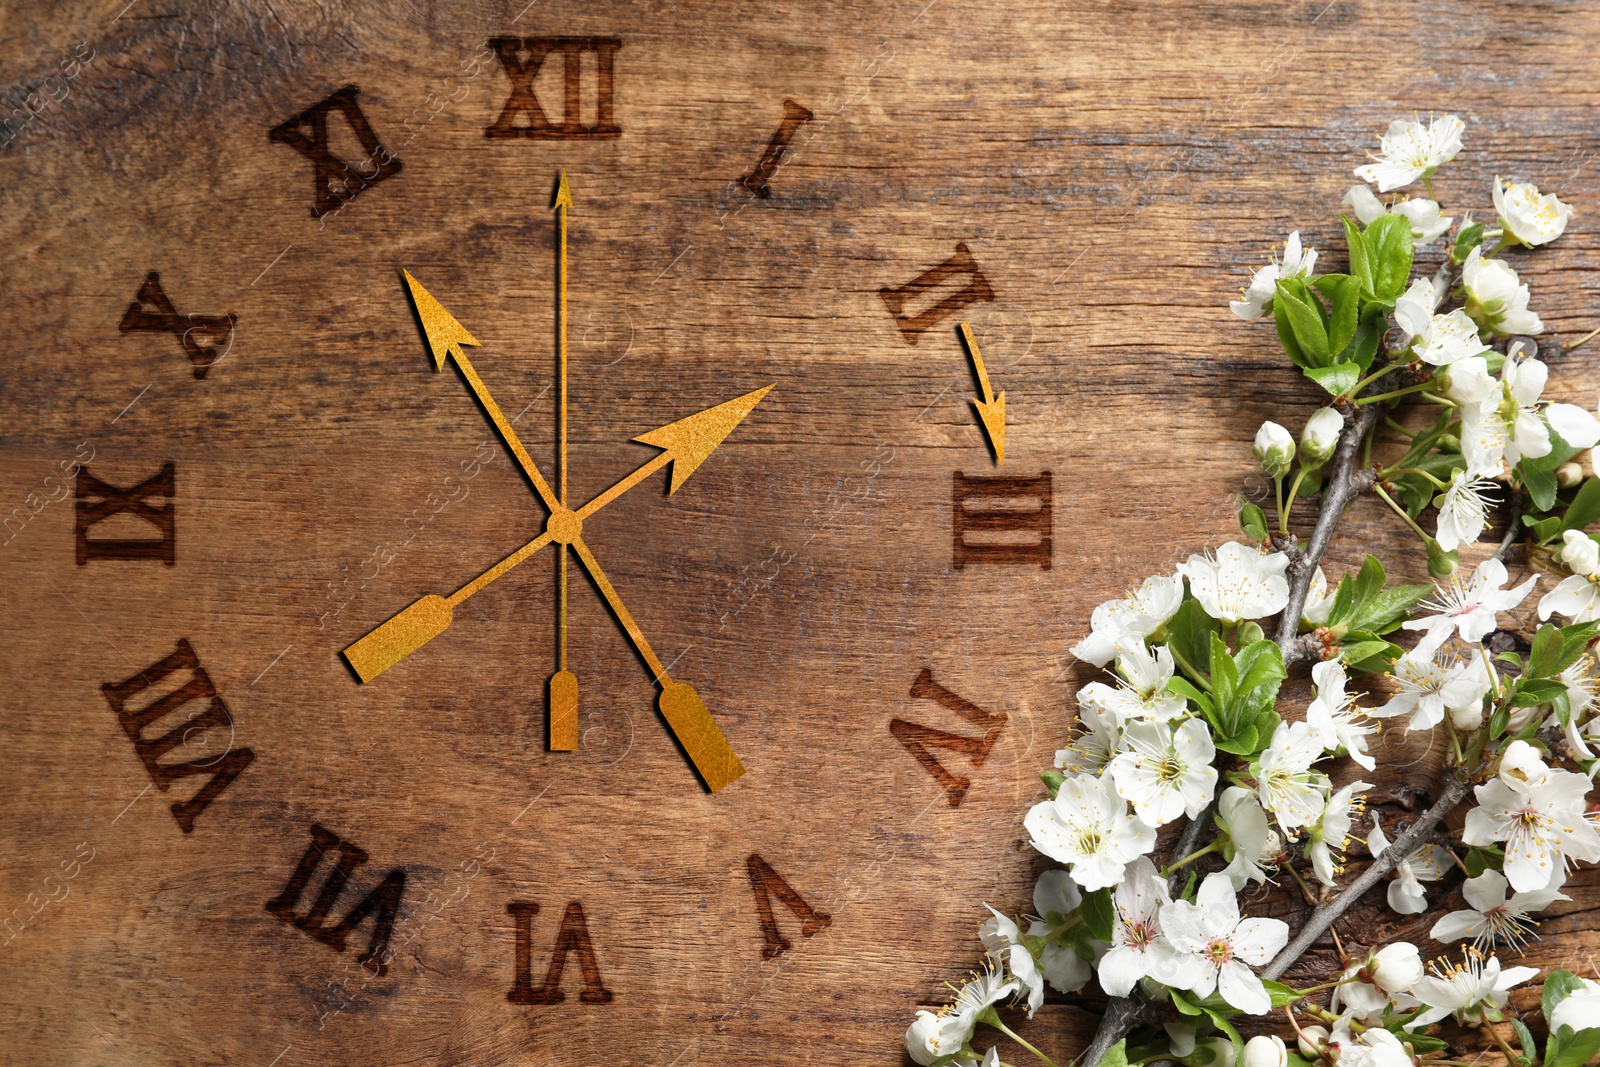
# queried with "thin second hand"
point(562, 211)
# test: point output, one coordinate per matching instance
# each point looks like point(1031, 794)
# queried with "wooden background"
point(1115, 169)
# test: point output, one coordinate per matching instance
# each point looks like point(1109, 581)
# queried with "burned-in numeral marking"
point(223, 769)
point(1000, 520)
point(335, 180)
point(918, 739)
point(793, 117)
point(382, 903)
point(767, 883)
point(957, 266)
point(108, 500)
point(572, 937)
point(522, 73)
point(200, 335)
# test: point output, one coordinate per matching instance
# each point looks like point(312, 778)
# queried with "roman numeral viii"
point(136, 717)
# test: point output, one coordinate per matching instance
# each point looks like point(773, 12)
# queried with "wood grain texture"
point(1114, 170)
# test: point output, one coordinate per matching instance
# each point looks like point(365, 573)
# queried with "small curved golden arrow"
point(685, 443)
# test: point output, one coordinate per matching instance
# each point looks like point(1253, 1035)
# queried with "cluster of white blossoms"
point(1188, 727)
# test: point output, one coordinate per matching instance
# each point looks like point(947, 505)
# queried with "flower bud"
point(1395, 967)
point(1275, 449)
point(1569, 475)
point(1211, 1052)
point(1320, 437)
point(1313, 1039)
point(1265, 1050)
point(1448, 442)
point(1467, 716)
point(1441, 564)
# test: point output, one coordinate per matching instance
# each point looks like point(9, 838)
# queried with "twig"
point(1338, 492)
point(1455, 790)
point(1509, 541)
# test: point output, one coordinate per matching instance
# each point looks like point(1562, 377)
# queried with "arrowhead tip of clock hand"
point(993, 414)
point(445, 334)
point(689, 441)
point(563, 193)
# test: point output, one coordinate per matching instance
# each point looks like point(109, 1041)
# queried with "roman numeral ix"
point(98, 501)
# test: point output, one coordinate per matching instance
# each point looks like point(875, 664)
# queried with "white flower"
point(1395, 967)
point(1164, 772)
point(1470, 609)
point(1522, 767)
point(1530, 218)
point(1320, 437)
point(1319, 601)
point(1138, 949)
point(1274, 449)
point(1496, 300)
point(1430, 688)
point(1473, 991)
point(1507, 423)
point(1143, 692)
point(1288, 787)
point(1099, 737)
point(1426, 225)
point(1297, 262)
point(1376, 1047)
point(1541, 825)
point(1463, 511)
point(931, 1036)
point(1467, 382)
point(1242, 582)
point(1330, 834)
point(1266, 1050)
point(1131, 619)
point(1334, 717)
point(1056, 894)
point(1211, 931)
point(1578, 1009)
point(1440, 340)
point(1409, 150)
point(1251, 838)
point(1492, 918)
point(990, 1059)
point(1583, 690)
point(1087, 827)
point(1578, 594)
point(1002, 937)
point(1426, 864)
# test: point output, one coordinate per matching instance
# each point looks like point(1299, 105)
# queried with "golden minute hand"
point(686, 444)
point(680, 705)
point(445, 338)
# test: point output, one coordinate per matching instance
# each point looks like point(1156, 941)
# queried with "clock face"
point(551, 533)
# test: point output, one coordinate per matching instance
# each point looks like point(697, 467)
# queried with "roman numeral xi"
point(335, 180)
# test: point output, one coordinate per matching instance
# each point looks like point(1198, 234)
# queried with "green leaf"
point(1530, 1047)
point(1469, 238)
point(1362, 347)
point(1099, 914)
point(1280, 993)
point(1478, 860)
point(1388, 242)
point(1360, 264)
point(1116, 1055)
point(1538, 476)
point(1572, 1048)
point(1181, 1002)
point(1346, 301)
point(1253, 521)
point(1543, 530)
point(1585, 507)
point(1189, 635)
point(1304, 313)
point(1242, 742)
point(1297, 1060)
point(1336, 380)
point(1362, 603)
point(1291, 347)
point(1249, 633)
point(1357, 654)
point(1233, 1035)
point(1423, 1044)
point(1557, 987)
point(1574, 641)
point(1545, 653)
